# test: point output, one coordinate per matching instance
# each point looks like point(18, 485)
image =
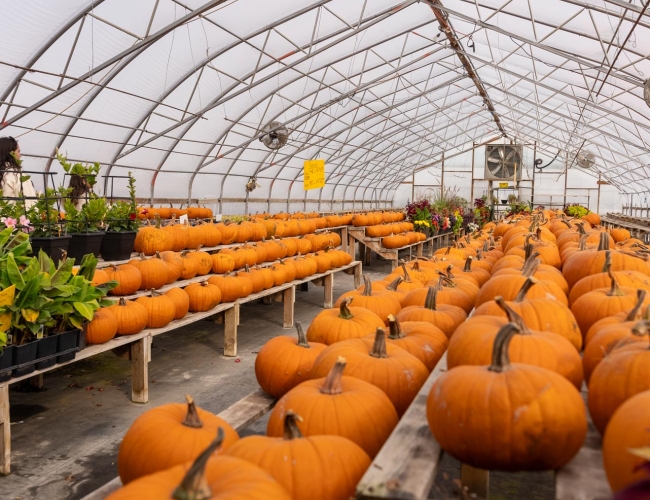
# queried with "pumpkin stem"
point(531, 269)
point(430, 300)
point(192, 418)
point(345, 313)
point(291, 430)
point(513, 317)
point(379, 346)
point(394, 284)
point(538, 234)
point(640, 297)
point(642, 328)
point(302, 338)
point(468, 264)
point(332, 384)
point(395, 329)
point(614, 289)
point(407, 276)
point(530, 281)
point(603, 244)
point(607, 265)
point(581, 228)
point(194, 485)
point(367, 288)
point(529, 262)
point(500, 357)
point(122, 301)
point(582, 245)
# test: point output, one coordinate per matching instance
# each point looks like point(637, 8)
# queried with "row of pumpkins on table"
point(344, 384)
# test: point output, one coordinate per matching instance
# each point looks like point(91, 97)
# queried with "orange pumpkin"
point(155, 273)
point(203, 296)
point(446, 317)
point(423, 340)
point(383, 303)
point(181, 302)
point(131, 317)
point(102, 328)
point(342, 323)
point(128, 277)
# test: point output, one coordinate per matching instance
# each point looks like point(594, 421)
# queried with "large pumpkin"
point(168, 435)
point(394, 370)
point(627, 430)
point(102, 328)
point(284, 362)
point(208, 477)
point(160, 309)
point(128, 277)
point(222, 263)
point(131, 317)
point(343, 406)
point(155, 273)
point(310, 468)
point(545, 409)
point(382, 302)
point(343, 323)
point(423, 340)
point(152, 239)
point(446, 317)
point(203, 296)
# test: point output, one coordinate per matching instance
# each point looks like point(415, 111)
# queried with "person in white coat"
point(11, 173)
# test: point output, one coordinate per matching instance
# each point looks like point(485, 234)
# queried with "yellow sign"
point(503, 184)
point(6, 299)
point(314, 174)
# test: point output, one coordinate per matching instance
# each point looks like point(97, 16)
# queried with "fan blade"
point(493, 160)
point(496, 172)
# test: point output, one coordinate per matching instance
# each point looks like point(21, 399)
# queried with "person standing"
point(11, 174)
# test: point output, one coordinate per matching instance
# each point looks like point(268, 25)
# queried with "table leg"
point(393, 264)
point(36, 381)
point(5, 431)
point(289, 300)
point(419, 250)
point(140, 370)
point(231, 320)
point(358, 270)
point(329, 291)
point(352, 247)
point(475, 481)
point(367, 253)
point(344, 238)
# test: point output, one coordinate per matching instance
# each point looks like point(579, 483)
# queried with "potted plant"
point(85, 226)
point(48, 232)
point(512, 199)
point(122, 227)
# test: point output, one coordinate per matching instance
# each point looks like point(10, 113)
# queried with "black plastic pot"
point(505, 202)
point(25, 358)
point(85, 243)
point(54, 246)
point(6, 363)
point(118, 246)
point(67, 341)
point(46, 349)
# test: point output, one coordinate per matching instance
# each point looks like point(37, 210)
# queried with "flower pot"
point(53, 246)
point(25, 358)
point(505, 202)
point(85, 243)
point(118, 246)
point(6, 363)
point(46, 349)
point(67, 341)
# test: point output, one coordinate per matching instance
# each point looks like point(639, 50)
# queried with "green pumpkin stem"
point(345, 312)
point(379, 346)
point(603, 244)
point(640, 297)
point(302, 338)
point(367, 286)
point(192, 418)
point(291, 430)
point(513, 317)
point(332, 384)
point(500, 356)
point(524, 289)
point(431, 299)
point(194, 485)
point(395, 329)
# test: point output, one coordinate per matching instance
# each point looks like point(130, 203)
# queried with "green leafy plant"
point(88, 172)
point(89, 219)
point(576, 211)
point(122, 215)
point(44, 214)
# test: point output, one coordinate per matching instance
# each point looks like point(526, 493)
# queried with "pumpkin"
point(446, 317)
point(295, 461)
point(627, 431)
point(152, 239)
point(195, 236)
point(155, 273)
point(128, 277)
point(179, 234)
point(203, 296)
point(131, 317)
point(103, 327)
point(211, 234)
point(174, 264)
point(341, 406)
point(203, 261)
point(181, 301)
point(284, 362)
point(232, 286)
point(160, 309)
point(423, 340)
point(470, 345)
point(228, 232)
point(394, 370)
point(623, 373)
point(549, 410)
point(222, 263)
point(542, 314)
point(619, 234)
point(394, 241)
point(342, 323)
point(633, 314)
point(289, 270)
point(190, 266)
point(208, 477)
point(169, 435)
point(279, 275)
point(382, 303)
point(99, 277)
point(256, 277)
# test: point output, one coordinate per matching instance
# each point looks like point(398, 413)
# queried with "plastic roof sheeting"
point(177, 91)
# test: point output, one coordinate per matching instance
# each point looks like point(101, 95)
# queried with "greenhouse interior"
point(248, 249)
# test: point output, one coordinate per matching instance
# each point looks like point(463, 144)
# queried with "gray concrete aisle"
point(65, 438)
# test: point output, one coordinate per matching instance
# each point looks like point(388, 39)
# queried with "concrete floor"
point(65, 438)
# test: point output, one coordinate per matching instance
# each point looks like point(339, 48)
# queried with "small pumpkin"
point(203, 296)
point(131, 317)
point(152, 239)
point(423, 340)
point(174, 263)
point(232, 286)
point(181, 301)
point(155, 273)
point(102, 328)
point(190, 266)
point(343, 323)
point(160, 309)
point(179, 234)
point(203, 261)
point(284, 362)
point(382, 303)
point(128, 277)
point(552, 412)
point(338, 405)
point(222, 263)
point(446, 317)
point(169, 435)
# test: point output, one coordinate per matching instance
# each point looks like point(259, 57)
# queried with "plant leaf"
point(14, 273)
point(63, 273)
point(30, 315)
point(84, 309)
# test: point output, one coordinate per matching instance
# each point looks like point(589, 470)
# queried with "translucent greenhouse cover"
point(178, 91)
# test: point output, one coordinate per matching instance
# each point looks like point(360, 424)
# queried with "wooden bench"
point(639, 228)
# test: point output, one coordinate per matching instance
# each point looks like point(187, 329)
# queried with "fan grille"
point(502, 161)
point(275, 135)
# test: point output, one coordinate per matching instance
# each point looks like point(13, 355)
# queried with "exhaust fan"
point(585, 159)
point(503, 162)
point(275, 135)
